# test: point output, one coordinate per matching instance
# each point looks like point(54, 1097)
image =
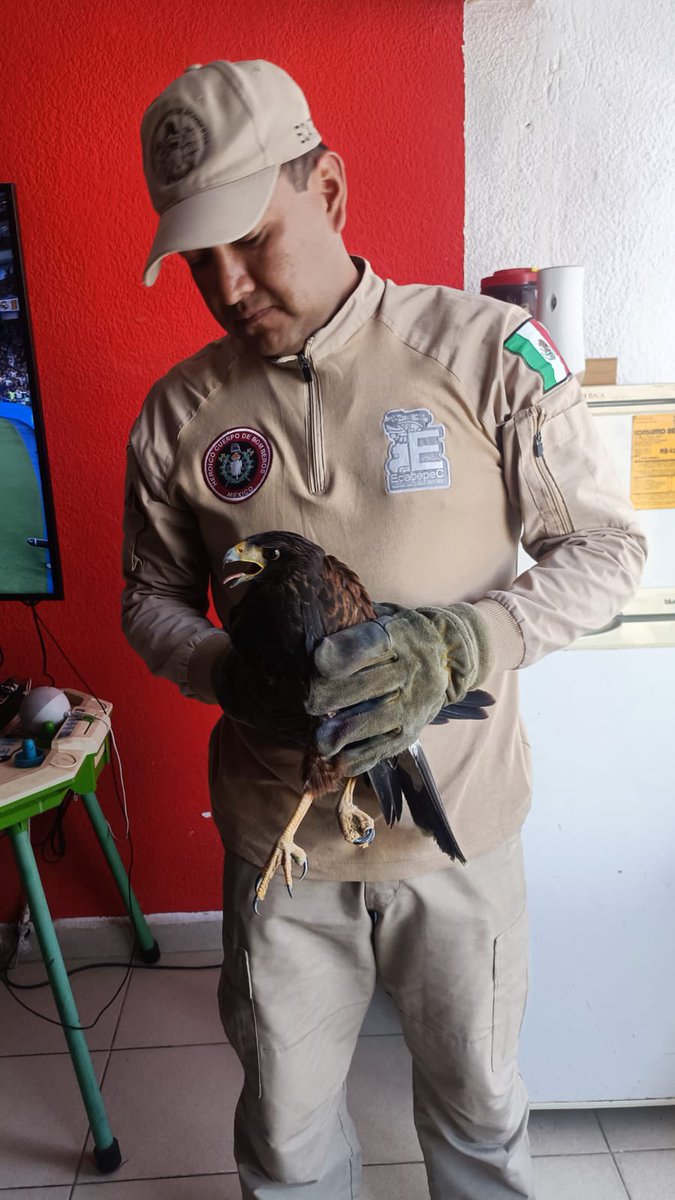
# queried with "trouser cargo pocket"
point(510, 980)
point(237, 1012)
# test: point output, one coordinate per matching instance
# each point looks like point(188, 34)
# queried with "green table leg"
point(149, 950)
point(106, 1151)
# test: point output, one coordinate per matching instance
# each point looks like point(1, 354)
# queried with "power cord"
point(95, 966)
point(12, 986)
point(55, 839)
point(32, 604)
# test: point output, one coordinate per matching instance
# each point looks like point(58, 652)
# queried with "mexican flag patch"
point(532, 343)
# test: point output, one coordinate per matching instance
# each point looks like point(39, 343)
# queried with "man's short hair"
point(298, 170)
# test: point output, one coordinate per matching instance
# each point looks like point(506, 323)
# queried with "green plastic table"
point(77, 755)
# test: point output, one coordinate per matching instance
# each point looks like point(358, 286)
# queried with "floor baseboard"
point(109, 937)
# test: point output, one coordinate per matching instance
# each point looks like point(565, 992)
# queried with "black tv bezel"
point(9, 190)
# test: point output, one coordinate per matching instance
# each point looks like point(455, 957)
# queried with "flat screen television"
point(30, 565)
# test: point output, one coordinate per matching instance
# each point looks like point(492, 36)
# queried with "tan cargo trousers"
point(451, 949)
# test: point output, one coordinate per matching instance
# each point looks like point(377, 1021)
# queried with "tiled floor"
point(170, 1082)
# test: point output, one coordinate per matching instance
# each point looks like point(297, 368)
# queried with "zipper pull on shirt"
point(316, 459)
point(305, 368)
point(538, 445)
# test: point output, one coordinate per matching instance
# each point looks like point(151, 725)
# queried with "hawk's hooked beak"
point(244, 553)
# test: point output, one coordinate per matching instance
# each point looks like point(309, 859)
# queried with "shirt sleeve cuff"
point(505, 637)
point(202, 661)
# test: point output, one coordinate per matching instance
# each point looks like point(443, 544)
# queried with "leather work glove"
point(379, 683)
point(275, 708)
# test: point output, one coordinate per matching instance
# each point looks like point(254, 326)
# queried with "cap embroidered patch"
point(416, 459)
point(531, 342)
point(237, 464)
point(177, 144)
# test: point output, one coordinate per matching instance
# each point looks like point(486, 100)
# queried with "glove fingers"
point(352, 649)
point(357, 724)
point(329, 695)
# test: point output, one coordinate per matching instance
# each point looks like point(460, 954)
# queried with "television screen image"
point(29, 557)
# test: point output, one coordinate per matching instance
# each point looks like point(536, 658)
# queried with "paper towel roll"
point(560, 307)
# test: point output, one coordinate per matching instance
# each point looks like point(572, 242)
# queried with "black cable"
point(55, 838)
point(11, 986)
point(63, 1024)
point(32, 605)
point(95, 966)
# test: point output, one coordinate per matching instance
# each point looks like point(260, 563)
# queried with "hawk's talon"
point(284, 854)
point(305, 868)
point(357, 826)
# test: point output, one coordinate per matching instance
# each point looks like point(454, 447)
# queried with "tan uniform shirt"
point(414, 446)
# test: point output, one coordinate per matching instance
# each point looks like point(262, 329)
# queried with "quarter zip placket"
point(316, 462)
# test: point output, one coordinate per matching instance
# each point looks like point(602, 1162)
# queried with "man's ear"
point(329, 179)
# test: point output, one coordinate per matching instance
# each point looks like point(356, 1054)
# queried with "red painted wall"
point(385, 84)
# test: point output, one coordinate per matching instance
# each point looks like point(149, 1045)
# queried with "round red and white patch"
point(237, 464)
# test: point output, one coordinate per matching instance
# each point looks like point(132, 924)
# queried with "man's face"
point(277, 285)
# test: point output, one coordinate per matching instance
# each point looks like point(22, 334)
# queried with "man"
point(415, 433)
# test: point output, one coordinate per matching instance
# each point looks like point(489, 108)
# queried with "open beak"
point(242, 555)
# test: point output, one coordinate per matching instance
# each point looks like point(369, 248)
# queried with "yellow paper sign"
point(652, 469)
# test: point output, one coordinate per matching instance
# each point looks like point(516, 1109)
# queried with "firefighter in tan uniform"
point(417, 433)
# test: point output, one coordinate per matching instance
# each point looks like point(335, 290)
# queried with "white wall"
point(570, 158)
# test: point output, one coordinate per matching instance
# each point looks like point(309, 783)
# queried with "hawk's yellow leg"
point(357, 827)
point(285, 852)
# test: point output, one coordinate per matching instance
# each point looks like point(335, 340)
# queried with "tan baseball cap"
point(213, 143)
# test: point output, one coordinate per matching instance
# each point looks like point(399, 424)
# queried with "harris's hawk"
point(296, 595)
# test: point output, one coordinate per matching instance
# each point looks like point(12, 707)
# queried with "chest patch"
point(237, 464)
point(416, 456)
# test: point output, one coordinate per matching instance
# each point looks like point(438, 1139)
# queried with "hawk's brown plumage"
point(297, 596)
point(300, 596)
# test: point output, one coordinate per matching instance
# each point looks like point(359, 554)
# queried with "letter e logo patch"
point(416, 459)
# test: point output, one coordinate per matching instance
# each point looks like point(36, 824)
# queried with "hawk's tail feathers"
point(471, 708)
point(387, 787)
point(424, 799)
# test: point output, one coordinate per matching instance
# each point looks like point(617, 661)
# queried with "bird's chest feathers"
point(269, 625)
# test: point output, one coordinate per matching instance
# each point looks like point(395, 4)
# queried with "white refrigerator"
point(600, 839)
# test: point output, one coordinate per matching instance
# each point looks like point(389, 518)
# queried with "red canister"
point(516, 286)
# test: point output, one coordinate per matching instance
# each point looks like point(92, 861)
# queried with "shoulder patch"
point(531, 342)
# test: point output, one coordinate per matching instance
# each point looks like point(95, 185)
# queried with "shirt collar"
point(356, 310)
